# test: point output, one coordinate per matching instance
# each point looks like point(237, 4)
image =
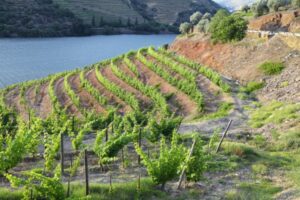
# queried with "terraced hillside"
point(149, 80)
point(162, 11)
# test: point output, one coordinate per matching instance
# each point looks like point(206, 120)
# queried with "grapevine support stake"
point(140, 144)
point(62, 153)
point(224, 135)
point(183, 170)
point(87, 189)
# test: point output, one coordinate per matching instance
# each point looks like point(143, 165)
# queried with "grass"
point(252, 87)
point(9, 194)
point(274, 112)
point(263, 190)
point(271, 68)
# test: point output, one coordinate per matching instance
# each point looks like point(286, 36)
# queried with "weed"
point(271, 68)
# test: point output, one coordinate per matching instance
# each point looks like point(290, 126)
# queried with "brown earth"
point(113, 100)
point(279, 21)
point(180, 102)
point(108, 73)
point(63, 97)
point(241, 60)
point(87, 101)
point(43, 101)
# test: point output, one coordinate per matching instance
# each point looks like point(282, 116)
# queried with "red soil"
point(112, 99)
point(186, 105)
point(86, 100)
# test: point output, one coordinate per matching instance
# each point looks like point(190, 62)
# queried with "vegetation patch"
point(274, 112)
point(271, 68)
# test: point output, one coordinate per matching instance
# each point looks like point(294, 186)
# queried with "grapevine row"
point(147, 90)
point(185, 86)
point(189, 75)
point(124, 95)
point(209, 73)
point(73, 96)
point(90, 88)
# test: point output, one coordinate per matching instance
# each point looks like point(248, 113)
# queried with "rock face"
point(280, 21)
point(241, 60)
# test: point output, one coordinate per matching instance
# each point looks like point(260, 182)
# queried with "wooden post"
point(73, 123)
point(123, 158)
point(110, 182)
point(183, 170)
point(106, 134)
point(140, 144)
point(62, 153)
point(223, 136)
point(29, 118)
point(69, 180)
point(87, 189)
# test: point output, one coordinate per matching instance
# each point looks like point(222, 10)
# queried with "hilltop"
point(73, 17)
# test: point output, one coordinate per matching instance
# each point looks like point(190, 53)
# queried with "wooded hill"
point(74, 17)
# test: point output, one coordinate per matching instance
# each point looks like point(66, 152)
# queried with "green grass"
point(271, 68)
point(252, 87)
point(274, 112)
point(263, 190)
point(9, 194)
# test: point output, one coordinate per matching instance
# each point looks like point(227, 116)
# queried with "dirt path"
point(63, 97)
point(87, 101)
point(179, 103)
point(239, 116)
point(12, 99)
point(113, 100)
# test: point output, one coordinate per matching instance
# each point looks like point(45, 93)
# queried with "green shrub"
point(252, 86)
point(227, 28)
point(166, 167)
point(271, 68)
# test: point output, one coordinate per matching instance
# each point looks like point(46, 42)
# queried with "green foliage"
point(203, 25)
point(160, 102)
point(296, 3)
point(14, 148)
point(185, 86)
point(274, 112)
point(209, 73)
point(165, 127)
point(271, 68)
point(252, 87)
point(185, 27)
point(68, 88)
point(127, 97)
point(239, 149)
point(93, 91)
point(39, 185)
point(166, 167)
point(196, 166)
point(227, 28)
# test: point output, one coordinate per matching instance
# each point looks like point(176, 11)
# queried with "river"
point(33, 58)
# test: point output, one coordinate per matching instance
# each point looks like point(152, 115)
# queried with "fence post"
point(223, 136)
point(183, 170)
point(106, 134)
point(87, 189)
point(140, 144)
point(62, 153)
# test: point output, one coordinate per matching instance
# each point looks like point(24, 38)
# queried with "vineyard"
point(114, 121)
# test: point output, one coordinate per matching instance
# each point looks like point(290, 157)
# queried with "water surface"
point(26, 59)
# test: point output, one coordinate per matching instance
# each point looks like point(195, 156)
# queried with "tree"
point(185, 27)
point(101, 23)
point(196, 17)
point(128, 22)
point(261, 8)
point(296, 3)
point(207, 16)
point(245, 8)
point(93, 21)
point(203, 25)
point(226, 28)
point(276, 4)
point(136, 21)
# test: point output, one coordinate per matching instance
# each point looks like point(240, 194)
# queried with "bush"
point(226, 28)
point(166, 167)
point(253, 86)
point(271, 68)
point(296, 3)
point(185, 27)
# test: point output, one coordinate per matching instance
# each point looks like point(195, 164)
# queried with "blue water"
point(26, 59)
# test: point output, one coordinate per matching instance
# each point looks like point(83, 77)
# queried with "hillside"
point(74, 17)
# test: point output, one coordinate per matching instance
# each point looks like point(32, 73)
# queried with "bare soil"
point(87, 101)
point(113, 99)
point(180, 102)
